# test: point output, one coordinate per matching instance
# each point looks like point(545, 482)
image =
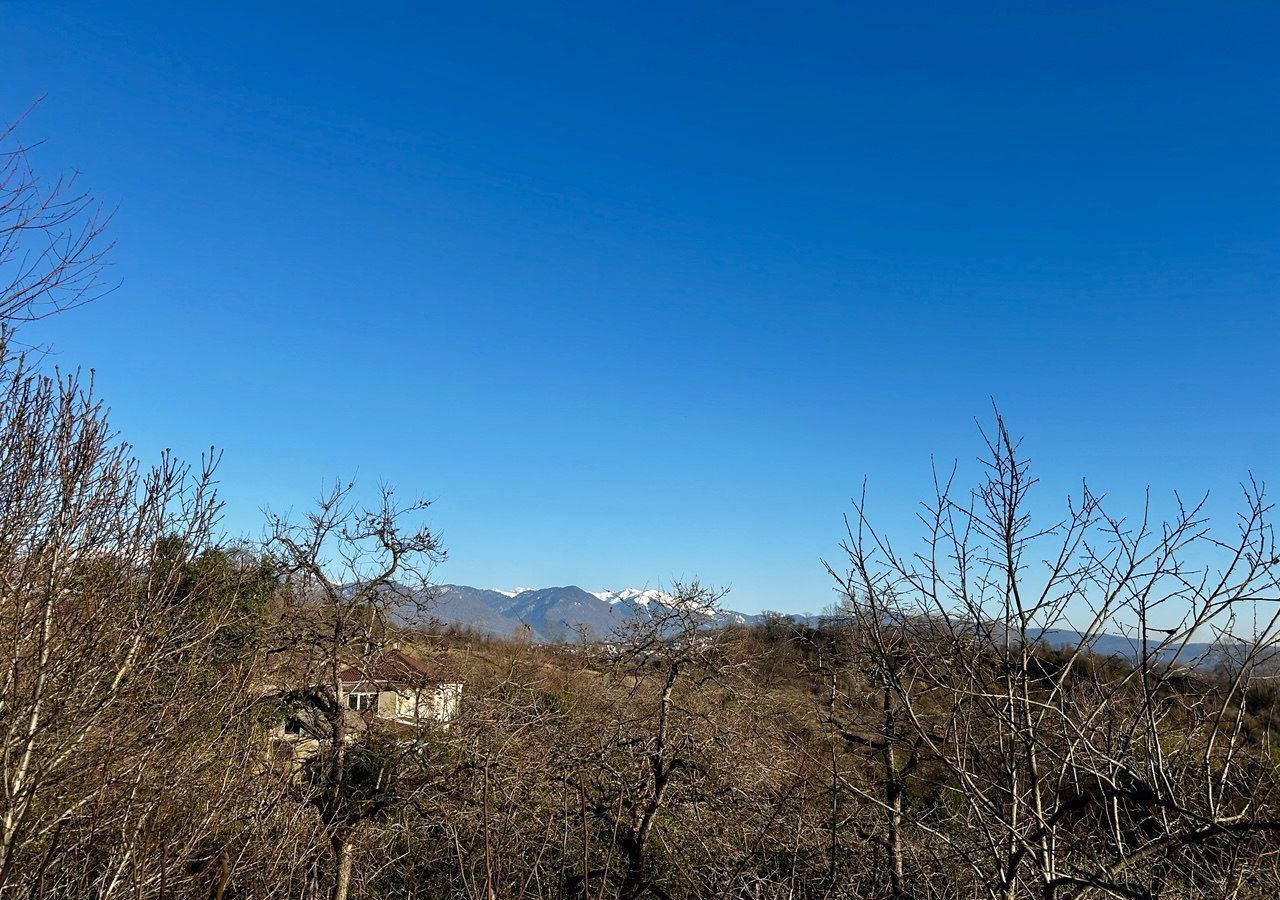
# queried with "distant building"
point(395, 687)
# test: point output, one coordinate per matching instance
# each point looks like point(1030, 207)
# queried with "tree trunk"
point(635, 878)
point(342, 857)
point(893, 796)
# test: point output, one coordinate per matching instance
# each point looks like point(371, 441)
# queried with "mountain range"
point(549, 614)
point(562, 613)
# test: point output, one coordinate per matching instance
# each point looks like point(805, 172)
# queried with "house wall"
point(449, 701)
point(439, 703)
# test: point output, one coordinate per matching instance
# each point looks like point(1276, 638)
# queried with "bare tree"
point(862, 715)
point(1069, 767)
point(349, 573)
point(653, 752)
point(52, 242)
point(107, 670)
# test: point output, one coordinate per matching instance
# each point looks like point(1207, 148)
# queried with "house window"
point(362, 702)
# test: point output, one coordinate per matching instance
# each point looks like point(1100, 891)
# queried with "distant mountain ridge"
point(556, 614)
point(551, 613)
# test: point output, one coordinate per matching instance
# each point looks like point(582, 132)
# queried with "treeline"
point(932, 738)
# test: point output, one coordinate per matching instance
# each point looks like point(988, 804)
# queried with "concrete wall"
point(439, 703)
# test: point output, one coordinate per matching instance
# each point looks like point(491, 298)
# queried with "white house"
point(395, 687)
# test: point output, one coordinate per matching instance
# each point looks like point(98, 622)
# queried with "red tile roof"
point(395, 668)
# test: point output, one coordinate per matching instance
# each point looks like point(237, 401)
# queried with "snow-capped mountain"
point(636, 596)
point(549, 614)
point(563, 613)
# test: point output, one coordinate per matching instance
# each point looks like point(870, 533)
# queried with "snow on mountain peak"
point(636, 596)
point(510, 593)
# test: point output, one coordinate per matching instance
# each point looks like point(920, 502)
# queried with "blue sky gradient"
point(643, 292)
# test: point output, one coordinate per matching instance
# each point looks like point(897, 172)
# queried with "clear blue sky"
point(643, 291)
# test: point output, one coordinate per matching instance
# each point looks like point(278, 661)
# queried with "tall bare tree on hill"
point(114, 663)
point(349, 572)
point(1065, 773)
